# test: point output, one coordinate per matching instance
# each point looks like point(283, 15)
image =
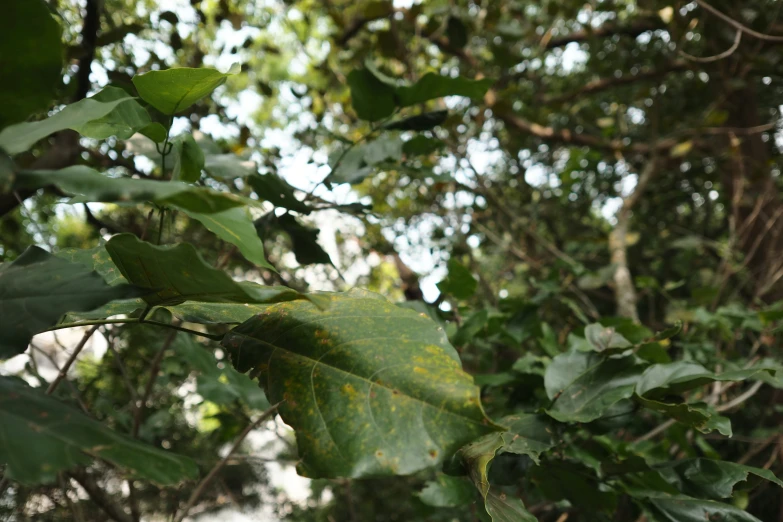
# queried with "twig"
point(131, 320)
point(154, 369)
point(737, 25)
point(739, 399)
point(214, 471)
point(708, 59)
point(99, 496)
point(70, 361)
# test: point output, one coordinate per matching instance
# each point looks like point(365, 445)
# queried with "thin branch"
point(70, 361)
point(739, 399)
point(214, 471)
point(609, 29)
point(130, 320)
point(154, 369)
point(709, 59)
point(738, 26)
point(99, 496)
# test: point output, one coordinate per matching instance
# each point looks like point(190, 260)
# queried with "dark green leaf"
point(189, 161)
point(20, 137)
point(235, 226)
point(678, 377)
point(447, 491)
point(563, 480)
point(693, 510)
point(432, 86)
point(712, 479)
point(123, 121)
point(698, 415)
point(30, 62)
point(369, 388)
point(605, 339)
point(221, 385)
point(420, 122)
point(421, 145)
point(584, 385)
point(273, 188)
point(93, 186)
point(174, 90)
point(41, 437)
point(371, 98)
point(459, 282)
point(457, 33)
point(177, 273)
point(304, 240)
point(38, 288)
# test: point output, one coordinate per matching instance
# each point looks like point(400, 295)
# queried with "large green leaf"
point(235, 226)
point(177, 273)
point(174, 90)
point(20, 137)
point(432, 86)
point(42, 436)
point(353, 165)
point(370, 388)
point(680, 376)
point(90, 185)
point(123, 121)
point(30, 64)
point(189, 160)
point(38, 288)
point(584, 385)
point(713, 479)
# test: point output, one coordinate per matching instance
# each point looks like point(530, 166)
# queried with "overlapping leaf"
point(38, 288)
point(90, 185)
point(20, 137)
point(42, 436)
point(174, 90)
point(369, 387)
point(123, 121)
point(235, 226)
point(177, 273)
point(678, 377)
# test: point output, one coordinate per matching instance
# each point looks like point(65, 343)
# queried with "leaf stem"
point(131, 320)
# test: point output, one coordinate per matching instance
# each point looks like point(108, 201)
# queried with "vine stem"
point(134, 320)
point(214, 471)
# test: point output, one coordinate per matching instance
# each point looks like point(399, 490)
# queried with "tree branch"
point(608, 29)
point(214, 471)
point(100, 497)
point(70, 361)
point(738, 26)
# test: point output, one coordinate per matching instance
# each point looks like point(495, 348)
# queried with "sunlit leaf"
point(174, 90)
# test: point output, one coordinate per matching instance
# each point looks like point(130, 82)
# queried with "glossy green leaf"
point(712, 479)
point(30, 63)
point(370, 388)
point(678, 377)
point(90, 185)
point(584, 385)
point(42, 436)
point(123, 121)
point(221, 385)
point(20, 137)
point(189, 160)
point(459, 282)
point(174, 90)
point(273, 188)
point(39, 288)
point(447, 491)
point(178, 273)
point(235, 226)
point(371, 98)
point(420, 122)
point(432, 86)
